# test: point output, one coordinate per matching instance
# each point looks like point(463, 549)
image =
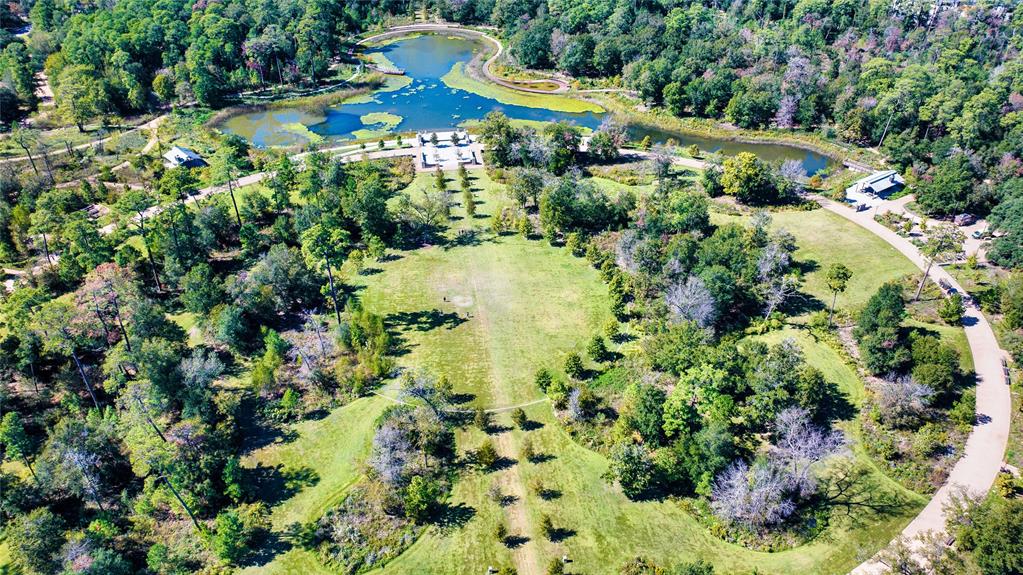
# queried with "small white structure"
point(178, 157)
point(875, 187)
point(452, 149)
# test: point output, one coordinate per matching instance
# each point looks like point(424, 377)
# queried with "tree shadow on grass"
point(453, 516)
point(266, 546)
point(854, 492)
point(559, 534)
point(549, 494)
point(461, 398)
point(515, 541)
point(423, 320)
point(532, 425)
point(542, 458)
point(277, 484)
point(371, 271)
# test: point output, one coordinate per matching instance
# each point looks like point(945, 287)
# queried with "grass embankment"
point(459, 79)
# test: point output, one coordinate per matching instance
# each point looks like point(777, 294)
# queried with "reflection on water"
point(427, 104)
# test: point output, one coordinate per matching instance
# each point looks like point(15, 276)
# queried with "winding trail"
point(982, 457)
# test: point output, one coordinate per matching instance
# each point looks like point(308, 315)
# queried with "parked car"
point(944, 284)
point(964, 219)
point(976, 234)
point(862, 207)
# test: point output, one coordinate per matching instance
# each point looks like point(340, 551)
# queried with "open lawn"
point(824, 238)
point(603, 528)
point(488, 310)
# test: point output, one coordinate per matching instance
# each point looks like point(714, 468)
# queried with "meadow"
point(486, 311)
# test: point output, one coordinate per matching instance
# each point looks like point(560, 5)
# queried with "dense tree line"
point(938, 91)
point(126, 444)
point(127, 57)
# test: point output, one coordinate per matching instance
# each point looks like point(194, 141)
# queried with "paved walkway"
point(982, 457)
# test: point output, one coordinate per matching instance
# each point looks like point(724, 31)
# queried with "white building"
point(178, 157)
point(875, 187)
point(453, 148)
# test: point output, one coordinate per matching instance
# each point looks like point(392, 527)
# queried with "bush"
point(952, 309)
point(519, 418)
point(486, 455)
point(543, 379)
point(574, 366)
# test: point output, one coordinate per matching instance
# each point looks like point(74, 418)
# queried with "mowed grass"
point(493, 310)
point(824, 239)
point(487, 314)
point(606, 529)
point(319, 463)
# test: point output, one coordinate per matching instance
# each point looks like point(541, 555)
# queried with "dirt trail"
point(510, 480)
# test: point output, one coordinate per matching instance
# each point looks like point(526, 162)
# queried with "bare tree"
point(752, 497)
point(800, 445)
point(777, 291)
point(625, 251)
point(392, 452)
point(691, 300)
point(902, 402)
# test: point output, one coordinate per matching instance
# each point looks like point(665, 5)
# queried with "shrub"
point(486, 455)
point(519, 418)
point(547, 526)
point(574, 366)
point(543, 379)
point(951, 309)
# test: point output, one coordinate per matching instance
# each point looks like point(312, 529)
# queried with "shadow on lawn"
point(266, 546)
point(423, 320)
point(277, 484)
point(852, 488)
point(454, 516)
point(515, 541)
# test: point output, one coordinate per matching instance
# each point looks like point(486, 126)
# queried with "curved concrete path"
point(982, 457)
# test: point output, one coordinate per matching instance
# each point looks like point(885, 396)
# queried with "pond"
point(426, 103)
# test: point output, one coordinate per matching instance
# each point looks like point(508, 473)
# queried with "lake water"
point(427, 104)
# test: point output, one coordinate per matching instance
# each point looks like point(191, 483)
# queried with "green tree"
point(201, 291)
point(327, 248)
point(951, 309)
point(749, 180)
point(80, 95)
point(421, 497)
point(34, 540)
point(15, 440)
point(597, 349)
point(837, 279)
point(231, 537)
point(574, 365)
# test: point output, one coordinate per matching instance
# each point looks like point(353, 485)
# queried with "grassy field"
point(824, 238)
point(487, 312)
point(608, 529)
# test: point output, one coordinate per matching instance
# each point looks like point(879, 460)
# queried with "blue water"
point(427, 104)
